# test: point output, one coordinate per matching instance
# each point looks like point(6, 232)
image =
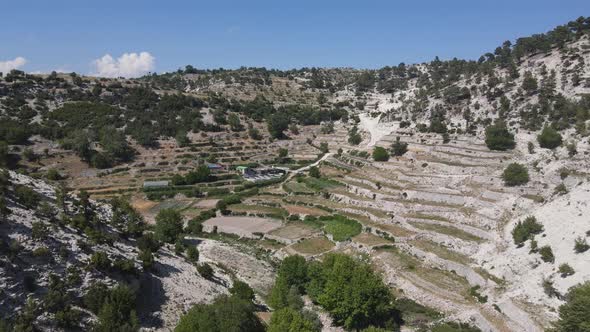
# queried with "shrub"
point(380, 154)
point(148, 241)
point(515, 175)
point(499, 138)
point(526, 230)
point(547, 254)
point(100, 261)
point(474, 291)
point(399, 148)
point(39, 230)
point(95, 296)
point(147, 259)
point(205, 270)
point(549, 138)
point(53, 174)
point(581, 245)
point(566, 270)
point(354, 138)
point(531, 147)
point(560, 189)
point(314, 172)
point(27, 196)
point(291, 320)
point(192, 254)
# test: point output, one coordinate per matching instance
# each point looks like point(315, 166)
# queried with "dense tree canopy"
point(225, 314)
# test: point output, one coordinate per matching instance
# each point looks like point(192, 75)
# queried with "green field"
point(340, 227)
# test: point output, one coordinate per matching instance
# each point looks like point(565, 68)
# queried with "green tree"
point(242, 290)
point(574, 315)
point(118, 314)
point(277, 124)
point(354, 138)
point(182, 139)
point(3, 154)
point(529, 83)
point(234, 122)
point(499, 138)
point(549, 138)
point(515, 175)
point(380, 154)
point(201, 174)
point(168, 225)
point(314, 172)
point(351, 292)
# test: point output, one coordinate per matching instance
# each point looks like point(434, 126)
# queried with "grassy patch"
point(313, 246)
point(319, 184)
point(258, 209)
point(297, 188)
point(448, 230)
point(418, 215)
point(340, 227)
point(441, 251)
point(369, 239)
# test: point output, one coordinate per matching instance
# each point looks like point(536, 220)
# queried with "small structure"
point(261, 174)
point(155, 184)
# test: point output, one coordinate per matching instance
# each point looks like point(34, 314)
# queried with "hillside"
point(461, 184)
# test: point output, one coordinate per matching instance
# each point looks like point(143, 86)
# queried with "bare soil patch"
point(242, 226)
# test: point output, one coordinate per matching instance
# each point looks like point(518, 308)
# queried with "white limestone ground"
point(173, 286)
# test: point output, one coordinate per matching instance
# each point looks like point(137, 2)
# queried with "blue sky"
point(70, 35)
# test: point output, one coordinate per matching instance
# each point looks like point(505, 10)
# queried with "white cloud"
point(127, 65)
point(7, 66)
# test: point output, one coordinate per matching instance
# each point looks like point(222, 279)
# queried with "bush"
point(314, 172)
point(27, 196)
point(192, 254)
point(205, 270)
point(515, 175)
point(147, 259)
point(560, 189)
point(581, 245)
point(96, 296)
point(100, 261)
point(526, 230)
point(566, 270)
point(399, 148)
point(291, 320)
point(380, 154)
point(547, 254)
point(549, 138)
point(499, 138)
point(574, 315)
